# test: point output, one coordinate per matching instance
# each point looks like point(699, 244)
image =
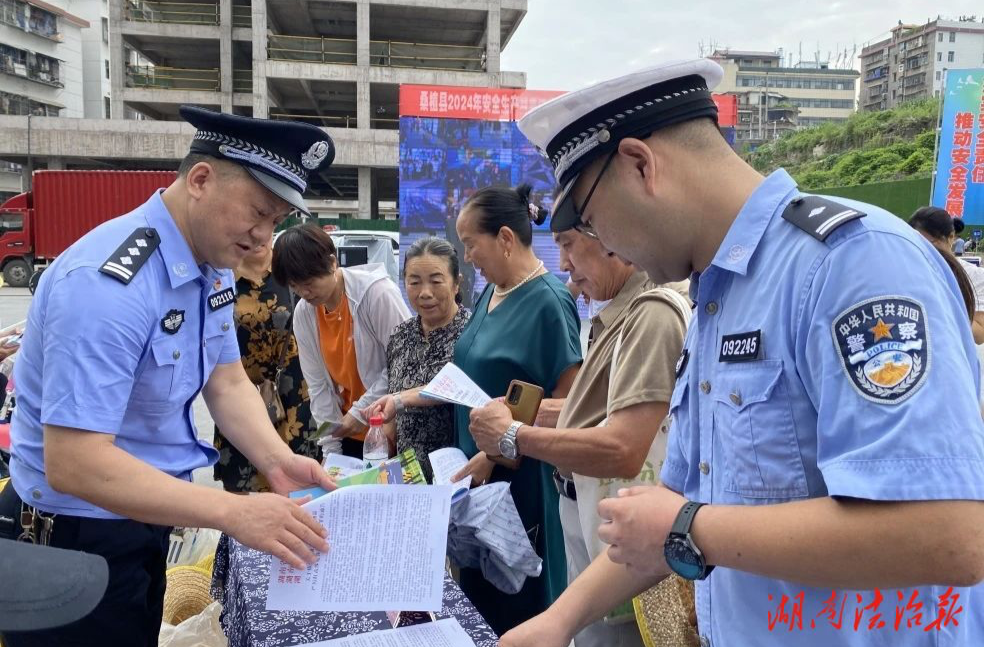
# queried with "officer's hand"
point(293, 472)
point(637, 523)
point(539, 631)
point(276, 525)
point(488, 424)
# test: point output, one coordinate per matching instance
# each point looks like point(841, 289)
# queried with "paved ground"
point(14, 303)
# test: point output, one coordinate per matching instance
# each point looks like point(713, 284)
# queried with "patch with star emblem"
point(884, 347)
point(172, 321)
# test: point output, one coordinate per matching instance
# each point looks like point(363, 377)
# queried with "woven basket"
point(187, 593)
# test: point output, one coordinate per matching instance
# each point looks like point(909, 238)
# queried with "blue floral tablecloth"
point(239, 581)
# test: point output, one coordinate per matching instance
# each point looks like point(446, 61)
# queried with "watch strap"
point(684, 518)
point(398, 401)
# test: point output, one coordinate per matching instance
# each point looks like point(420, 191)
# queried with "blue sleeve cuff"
point(906, 479)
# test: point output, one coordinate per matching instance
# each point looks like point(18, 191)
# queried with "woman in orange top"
point(342, 323)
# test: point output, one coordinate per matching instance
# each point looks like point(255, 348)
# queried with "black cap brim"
point(47, 587)
point(280, 189)
point(564, 214)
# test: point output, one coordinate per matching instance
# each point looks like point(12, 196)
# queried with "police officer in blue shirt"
point(126, 328)
point(825, 457)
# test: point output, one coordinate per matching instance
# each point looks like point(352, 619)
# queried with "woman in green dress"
point(525, 327)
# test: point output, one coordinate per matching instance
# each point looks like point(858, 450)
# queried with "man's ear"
point(642, 160)
point(198, 176)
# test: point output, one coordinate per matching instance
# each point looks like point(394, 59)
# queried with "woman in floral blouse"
point(263, 311)
point(421, 346)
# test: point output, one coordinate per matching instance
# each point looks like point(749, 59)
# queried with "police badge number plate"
point(884, 347)
point(221, 299)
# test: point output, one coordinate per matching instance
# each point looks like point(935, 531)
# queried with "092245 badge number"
point(884, 347)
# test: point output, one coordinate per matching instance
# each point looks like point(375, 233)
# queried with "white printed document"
point(443, 633)
point(447, 462)
point(452, 385)
point(386, 551)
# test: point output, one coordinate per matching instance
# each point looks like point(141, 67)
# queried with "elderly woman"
point(419, 348)
point(525, 327)
point(263, 311)
point(607, 435)
point(343, 324)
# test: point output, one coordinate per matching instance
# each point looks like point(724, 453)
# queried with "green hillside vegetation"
point(869, 147)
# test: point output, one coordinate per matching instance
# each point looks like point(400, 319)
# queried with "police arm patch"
point(884, 347)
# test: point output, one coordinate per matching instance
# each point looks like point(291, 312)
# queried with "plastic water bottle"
point(375, 449)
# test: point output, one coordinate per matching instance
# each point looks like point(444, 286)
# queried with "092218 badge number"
point(884, 347)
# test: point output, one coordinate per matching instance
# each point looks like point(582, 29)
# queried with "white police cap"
point(574, 129)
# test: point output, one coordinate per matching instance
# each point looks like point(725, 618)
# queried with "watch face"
point(507, 447)
point(683, 558)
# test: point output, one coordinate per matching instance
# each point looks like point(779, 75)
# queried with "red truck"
point(61, 208)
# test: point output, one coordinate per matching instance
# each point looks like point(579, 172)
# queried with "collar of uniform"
point(633, 286)
point(178, 259)
point(746, 231)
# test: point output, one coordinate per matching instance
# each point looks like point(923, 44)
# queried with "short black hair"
point(303, 253)
point(934, 222)
point(498, 206)
point(221, 166)
point(435, 247)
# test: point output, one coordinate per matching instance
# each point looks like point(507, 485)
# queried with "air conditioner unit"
point(901, 67)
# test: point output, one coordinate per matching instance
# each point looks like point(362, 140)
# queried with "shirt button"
point(705, 469)
point(176, 354)
point(705, 386)
point(711, 308)
point(225, 326)
point(736, 399)
point(36, 494)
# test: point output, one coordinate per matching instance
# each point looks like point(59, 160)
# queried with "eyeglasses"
point(579, 225)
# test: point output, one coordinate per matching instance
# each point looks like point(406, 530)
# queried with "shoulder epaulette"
point(819, 216)
point(127, 260)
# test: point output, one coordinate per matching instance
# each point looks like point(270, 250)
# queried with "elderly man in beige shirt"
point(604, 430)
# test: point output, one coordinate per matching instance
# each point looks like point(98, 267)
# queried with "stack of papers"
point(453, 386)
point(446, 463)
point(443, 633)
point(387, 547)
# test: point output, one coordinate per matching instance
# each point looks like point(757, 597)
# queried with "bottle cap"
point(376, 421)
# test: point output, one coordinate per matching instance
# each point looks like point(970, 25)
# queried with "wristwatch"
point(680, 551)
point(508, 446)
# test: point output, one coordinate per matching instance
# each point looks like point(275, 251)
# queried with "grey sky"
point(567, 44)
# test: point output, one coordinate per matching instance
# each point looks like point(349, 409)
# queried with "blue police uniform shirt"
point(128, 360)
point(842, 368)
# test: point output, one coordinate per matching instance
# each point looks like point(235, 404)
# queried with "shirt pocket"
point(754, 418)
point(162, 377)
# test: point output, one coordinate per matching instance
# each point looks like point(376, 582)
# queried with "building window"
point(939, 75)
point(105, 27)
point(953, 36)
point(949, 57)
point(940, 37)
point(15, 104)
point(106, 65)
point(106, 106)
point(939, 56)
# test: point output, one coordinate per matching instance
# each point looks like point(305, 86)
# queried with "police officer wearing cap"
point(126, 328)
point(808, 460)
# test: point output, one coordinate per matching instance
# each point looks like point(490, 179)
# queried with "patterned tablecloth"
point(240, 579)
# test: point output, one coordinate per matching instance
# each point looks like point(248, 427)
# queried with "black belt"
point(565, 486)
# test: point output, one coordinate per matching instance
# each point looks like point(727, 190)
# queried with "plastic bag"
point(202, 630)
